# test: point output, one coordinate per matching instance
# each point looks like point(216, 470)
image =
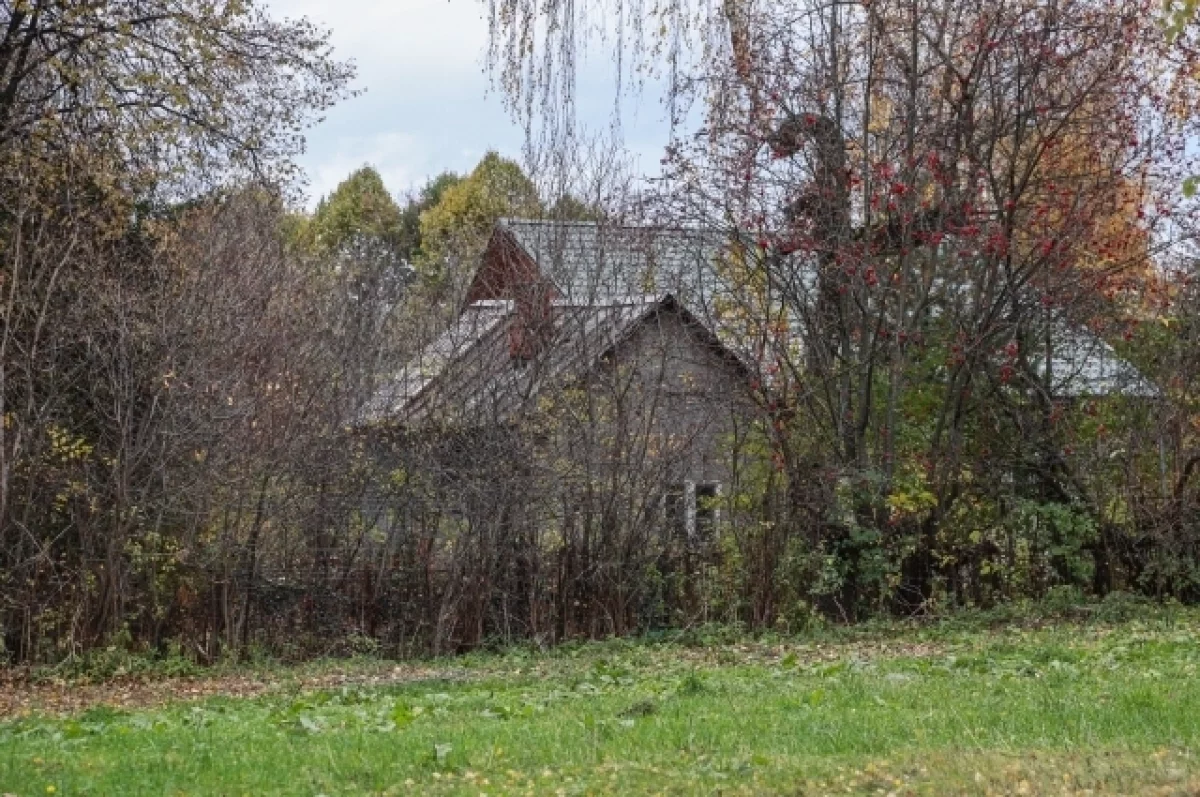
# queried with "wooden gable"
point(506, 271)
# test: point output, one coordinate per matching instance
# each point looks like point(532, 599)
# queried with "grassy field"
point(1066, 707)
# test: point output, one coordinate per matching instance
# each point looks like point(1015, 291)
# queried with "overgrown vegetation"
point(934, 217)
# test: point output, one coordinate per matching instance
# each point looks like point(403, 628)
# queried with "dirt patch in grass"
point(21, 694)
point(20, 697)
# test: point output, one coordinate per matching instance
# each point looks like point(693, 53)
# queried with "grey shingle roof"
point(469, 375)
point(470, 335)
point(1084, 365)
point(591, 262)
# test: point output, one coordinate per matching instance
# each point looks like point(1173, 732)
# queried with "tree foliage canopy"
point(359, 207)
point(421, 201)
point(454, 231)
point(176, 91)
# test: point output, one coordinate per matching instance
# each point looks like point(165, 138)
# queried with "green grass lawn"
point(1065, 708)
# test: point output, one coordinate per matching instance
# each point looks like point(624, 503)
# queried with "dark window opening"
point(707, 495)
point(675, 507)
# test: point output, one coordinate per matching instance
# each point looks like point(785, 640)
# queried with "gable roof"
point(589, 262)
point(1084, 365)
point(469, 374)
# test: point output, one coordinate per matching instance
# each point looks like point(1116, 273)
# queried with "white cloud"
point(394, 155)
point(427, 105)
point(426, 98)
point(398, 36)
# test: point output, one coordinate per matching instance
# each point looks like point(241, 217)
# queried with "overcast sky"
point(428, 105)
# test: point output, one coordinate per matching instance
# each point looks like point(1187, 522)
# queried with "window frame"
point(694, 523)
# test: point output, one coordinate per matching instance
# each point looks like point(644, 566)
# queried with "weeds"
point(952, 706)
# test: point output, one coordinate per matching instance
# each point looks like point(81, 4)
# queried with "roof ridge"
point(562, 222)
point(627, 300)
point(482, 303)
point(508, 221)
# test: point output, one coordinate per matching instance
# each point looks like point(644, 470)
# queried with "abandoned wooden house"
point(576, 403)
point(576, 338)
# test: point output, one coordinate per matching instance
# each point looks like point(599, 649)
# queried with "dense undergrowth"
point(123, 659)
